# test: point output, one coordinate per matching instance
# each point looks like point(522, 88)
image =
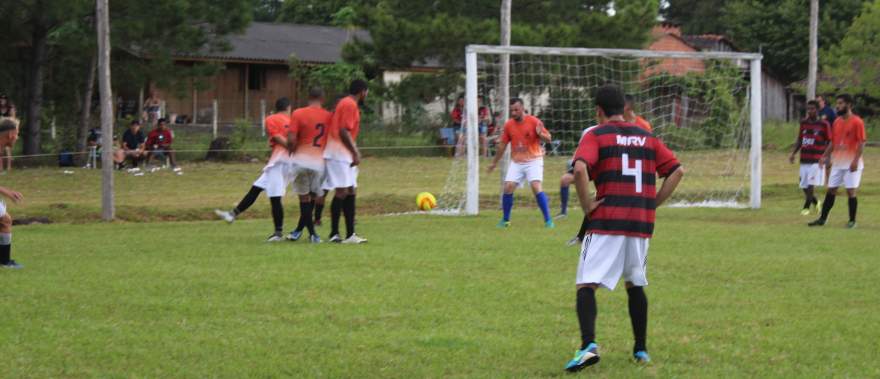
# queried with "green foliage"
point(333, 78)
point(239, 138)
point(696, 16)
point(853, 64)
point(720, 87)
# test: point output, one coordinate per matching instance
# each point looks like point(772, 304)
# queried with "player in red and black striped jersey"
point(812, 141)
point(624, 160)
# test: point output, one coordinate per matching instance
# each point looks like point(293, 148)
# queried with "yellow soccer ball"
point(426, 201)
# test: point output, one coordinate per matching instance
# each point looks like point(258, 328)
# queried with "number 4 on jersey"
point(635, 172)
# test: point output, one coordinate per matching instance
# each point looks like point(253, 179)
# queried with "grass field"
point(734, 293)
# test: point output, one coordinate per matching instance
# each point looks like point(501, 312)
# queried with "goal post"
point(698, 107)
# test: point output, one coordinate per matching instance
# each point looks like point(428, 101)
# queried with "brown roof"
point(275, 42)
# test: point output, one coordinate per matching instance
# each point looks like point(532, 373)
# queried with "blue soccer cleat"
point(549, 224)
point(12, 265)
point(584, 358)
point(641, 356)
point(503, 224)
point(314, 238)
point(294, 235)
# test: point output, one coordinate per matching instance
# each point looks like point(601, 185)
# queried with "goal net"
point(706, 106)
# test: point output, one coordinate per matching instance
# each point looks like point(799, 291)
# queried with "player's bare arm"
point(669, 185)
point(854, 166)
point(542, 132)
point(826, 157)
point(498, 154)
point(582, 184)
point(291, 142)
point(349, 144)
point(797, 147)
point(10, 194)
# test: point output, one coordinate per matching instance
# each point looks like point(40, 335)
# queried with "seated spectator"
point(457, 116)
point(159, 143)
point(8, 136)
point(7, 109)
point(133, 145)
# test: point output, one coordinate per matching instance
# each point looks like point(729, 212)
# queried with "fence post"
point(263, 117)
point(216, 108)
point(53, 128)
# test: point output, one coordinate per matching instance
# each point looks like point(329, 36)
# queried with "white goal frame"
point(472, 193)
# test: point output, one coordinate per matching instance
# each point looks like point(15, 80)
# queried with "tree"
point(854, 60)
point(54, 39)
point(696, 16)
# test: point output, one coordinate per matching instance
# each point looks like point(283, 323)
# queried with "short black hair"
point(7, 124)
point(460, 97)
point(357, 86)
point(628, 98)
point(814, 103)
point(135, 122)
point(162, 120)
point(316, 93)
point(514, 100)
point(847, 98)
point(282, 104)
point(610, 98)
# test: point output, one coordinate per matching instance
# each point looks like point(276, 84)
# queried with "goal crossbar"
point(471, 94)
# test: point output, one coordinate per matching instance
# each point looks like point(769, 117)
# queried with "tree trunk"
point(31, 133)
point(85, 117)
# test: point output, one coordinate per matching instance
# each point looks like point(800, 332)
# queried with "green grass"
point(733, 293)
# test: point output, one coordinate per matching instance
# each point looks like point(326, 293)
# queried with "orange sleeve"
point(860, 131)
point(348, 116)
point(275, 127)
point(293, 128)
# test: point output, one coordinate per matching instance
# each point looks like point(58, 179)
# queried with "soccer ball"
point(426, 201)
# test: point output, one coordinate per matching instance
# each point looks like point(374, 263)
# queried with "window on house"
point(256, 78)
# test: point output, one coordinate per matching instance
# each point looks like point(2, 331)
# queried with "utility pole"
point(814, 54)
point(103, 28)
point(504, 82)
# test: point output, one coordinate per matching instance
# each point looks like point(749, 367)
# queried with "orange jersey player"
point(342, 157)
point(273, 179)
point(629, 114)
point(308, 138)
point(524, 133)
point(845, 151)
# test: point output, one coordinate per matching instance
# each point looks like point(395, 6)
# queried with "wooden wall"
point(229, 88)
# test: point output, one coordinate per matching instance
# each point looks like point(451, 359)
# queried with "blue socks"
point(563, 199)
point(544, 204)
point(507, 205)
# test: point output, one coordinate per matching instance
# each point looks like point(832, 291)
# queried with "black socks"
point(586, 312)
point(305, 216)
point(5, 254)
point(335, 213)
point(348, 207)
point(853, 207)
point(319, 208)
point(247, 201)
point(277, 213)
point(638, 315)
point(827, 205)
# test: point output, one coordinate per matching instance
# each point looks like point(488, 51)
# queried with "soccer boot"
point(335, 239)
point(225, 215)
point(641, 356)
point(560, 216)
point(817, 222)
point(805, 212)
point(817, 206)
point(851, 225)
point(314, 239)
point(12, 265)
point(574, 241)
point(275, 237)
point(549, 224)
point(503, 224)
point(295, 235)
point(584, 358)
point(354, 240)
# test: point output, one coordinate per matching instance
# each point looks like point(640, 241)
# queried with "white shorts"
point(273, 180)
point(525, 172)
point(339, 174)
point(604, 258)
point(306, 180)
point(842, 175)
point(2, 208)
point(812, 174)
